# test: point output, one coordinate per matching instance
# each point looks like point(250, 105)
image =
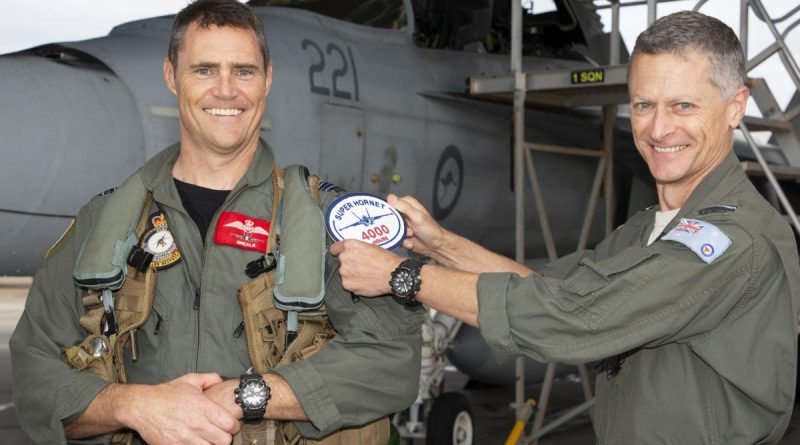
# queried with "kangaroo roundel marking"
point(447, 182)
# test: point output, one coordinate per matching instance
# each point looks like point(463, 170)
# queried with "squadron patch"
point(704, 239)
point(242, 231)
point(367, 218)
point(158, 240)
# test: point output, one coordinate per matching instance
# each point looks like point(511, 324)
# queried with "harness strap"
point(111, 319)
point(277, 196)
point(266, 326)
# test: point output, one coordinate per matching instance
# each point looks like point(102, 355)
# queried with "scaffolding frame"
point(548, 90)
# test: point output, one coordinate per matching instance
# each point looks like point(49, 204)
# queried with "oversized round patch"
point(159, 241)
point(367, 218)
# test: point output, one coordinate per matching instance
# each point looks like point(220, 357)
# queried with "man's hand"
point(282, 405)
point(365, 269)
point(424, 235)
point(177, 412)
point(222, 394)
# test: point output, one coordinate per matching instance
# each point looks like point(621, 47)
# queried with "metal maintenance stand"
point(607, 87)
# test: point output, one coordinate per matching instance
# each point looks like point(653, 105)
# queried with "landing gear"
point(439, 418)
point(450, 421)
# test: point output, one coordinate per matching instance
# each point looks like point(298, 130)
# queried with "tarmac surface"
point(490, 405)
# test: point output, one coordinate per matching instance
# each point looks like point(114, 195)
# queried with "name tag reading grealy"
point(367, 218)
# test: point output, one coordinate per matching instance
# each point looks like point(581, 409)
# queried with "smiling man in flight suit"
point(208, 218)
point(692, 305)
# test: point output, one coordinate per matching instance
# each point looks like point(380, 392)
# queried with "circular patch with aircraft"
point(367, 218)
point(448, 182)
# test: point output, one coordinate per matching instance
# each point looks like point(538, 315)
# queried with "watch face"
point(402, 282)
point(254, 395)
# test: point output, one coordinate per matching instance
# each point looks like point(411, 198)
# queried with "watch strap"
point(252, 415)
point(412, 267)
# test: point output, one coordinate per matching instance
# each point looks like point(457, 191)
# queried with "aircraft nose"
point(69, 131)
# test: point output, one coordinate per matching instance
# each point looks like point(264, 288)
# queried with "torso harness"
point(282, 306)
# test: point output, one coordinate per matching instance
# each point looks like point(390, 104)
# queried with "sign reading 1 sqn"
point(587, 76)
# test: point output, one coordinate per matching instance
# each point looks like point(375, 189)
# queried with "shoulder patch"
point(704, 239)
point(62, 240)
point(716, 209)
point(328, 187)
point(158, 241)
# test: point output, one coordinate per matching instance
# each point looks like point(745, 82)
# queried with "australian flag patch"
point(704, 239)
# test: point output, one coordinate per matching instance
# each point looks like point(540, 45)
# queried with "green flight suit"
point(373, 370)
point(705, 353)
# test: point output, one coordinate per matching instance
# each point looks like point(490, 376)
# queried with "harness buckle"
point(262, 264)
point(139, 259)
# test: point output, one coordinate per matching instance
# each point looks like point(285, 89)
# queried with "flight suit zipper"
point(196, 305)
point(251, 354)
point(242, 328)
point(209, 235)
point(158, 324)
point(237, 333)
point(196, 289)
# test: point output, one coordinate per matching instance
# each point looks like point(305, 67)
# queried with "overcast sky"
point(27, 23)
point(633, 20)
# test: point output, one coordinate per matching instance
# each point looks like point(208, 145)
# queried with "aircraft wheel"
point(450, 421)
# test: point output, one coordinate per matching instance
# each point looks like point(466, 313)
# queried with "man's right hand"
point(426, 237)
point(177, 412)
point(423, 235)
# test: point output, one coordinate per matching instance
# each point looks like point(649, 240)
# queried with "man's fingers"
point(364, 268)
point(412, 203)
point(202, 381)
point(413, 211)
point(339, 247)
point(403, 205)
point(177, 412)
point(222, 421)
point(212, 434)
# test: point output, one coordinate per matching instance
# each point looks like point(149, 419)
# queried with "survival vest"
point(283, 314)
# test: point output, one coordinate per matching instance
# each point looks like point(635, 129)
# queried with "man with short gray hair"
point(694, 32)
point(691, 304)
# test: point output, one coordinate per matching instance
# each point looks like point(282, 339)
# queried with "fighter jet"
point(369, 94)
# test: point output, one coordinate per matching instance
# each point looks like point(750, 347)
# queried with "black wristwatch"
point(405, 281)
point(252, 395)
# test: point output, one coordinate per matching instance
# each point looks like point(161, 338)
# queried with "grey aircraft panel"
point(377, 77)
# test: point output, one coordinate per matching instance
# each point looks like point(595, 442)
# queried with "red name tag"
point(238, 230)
